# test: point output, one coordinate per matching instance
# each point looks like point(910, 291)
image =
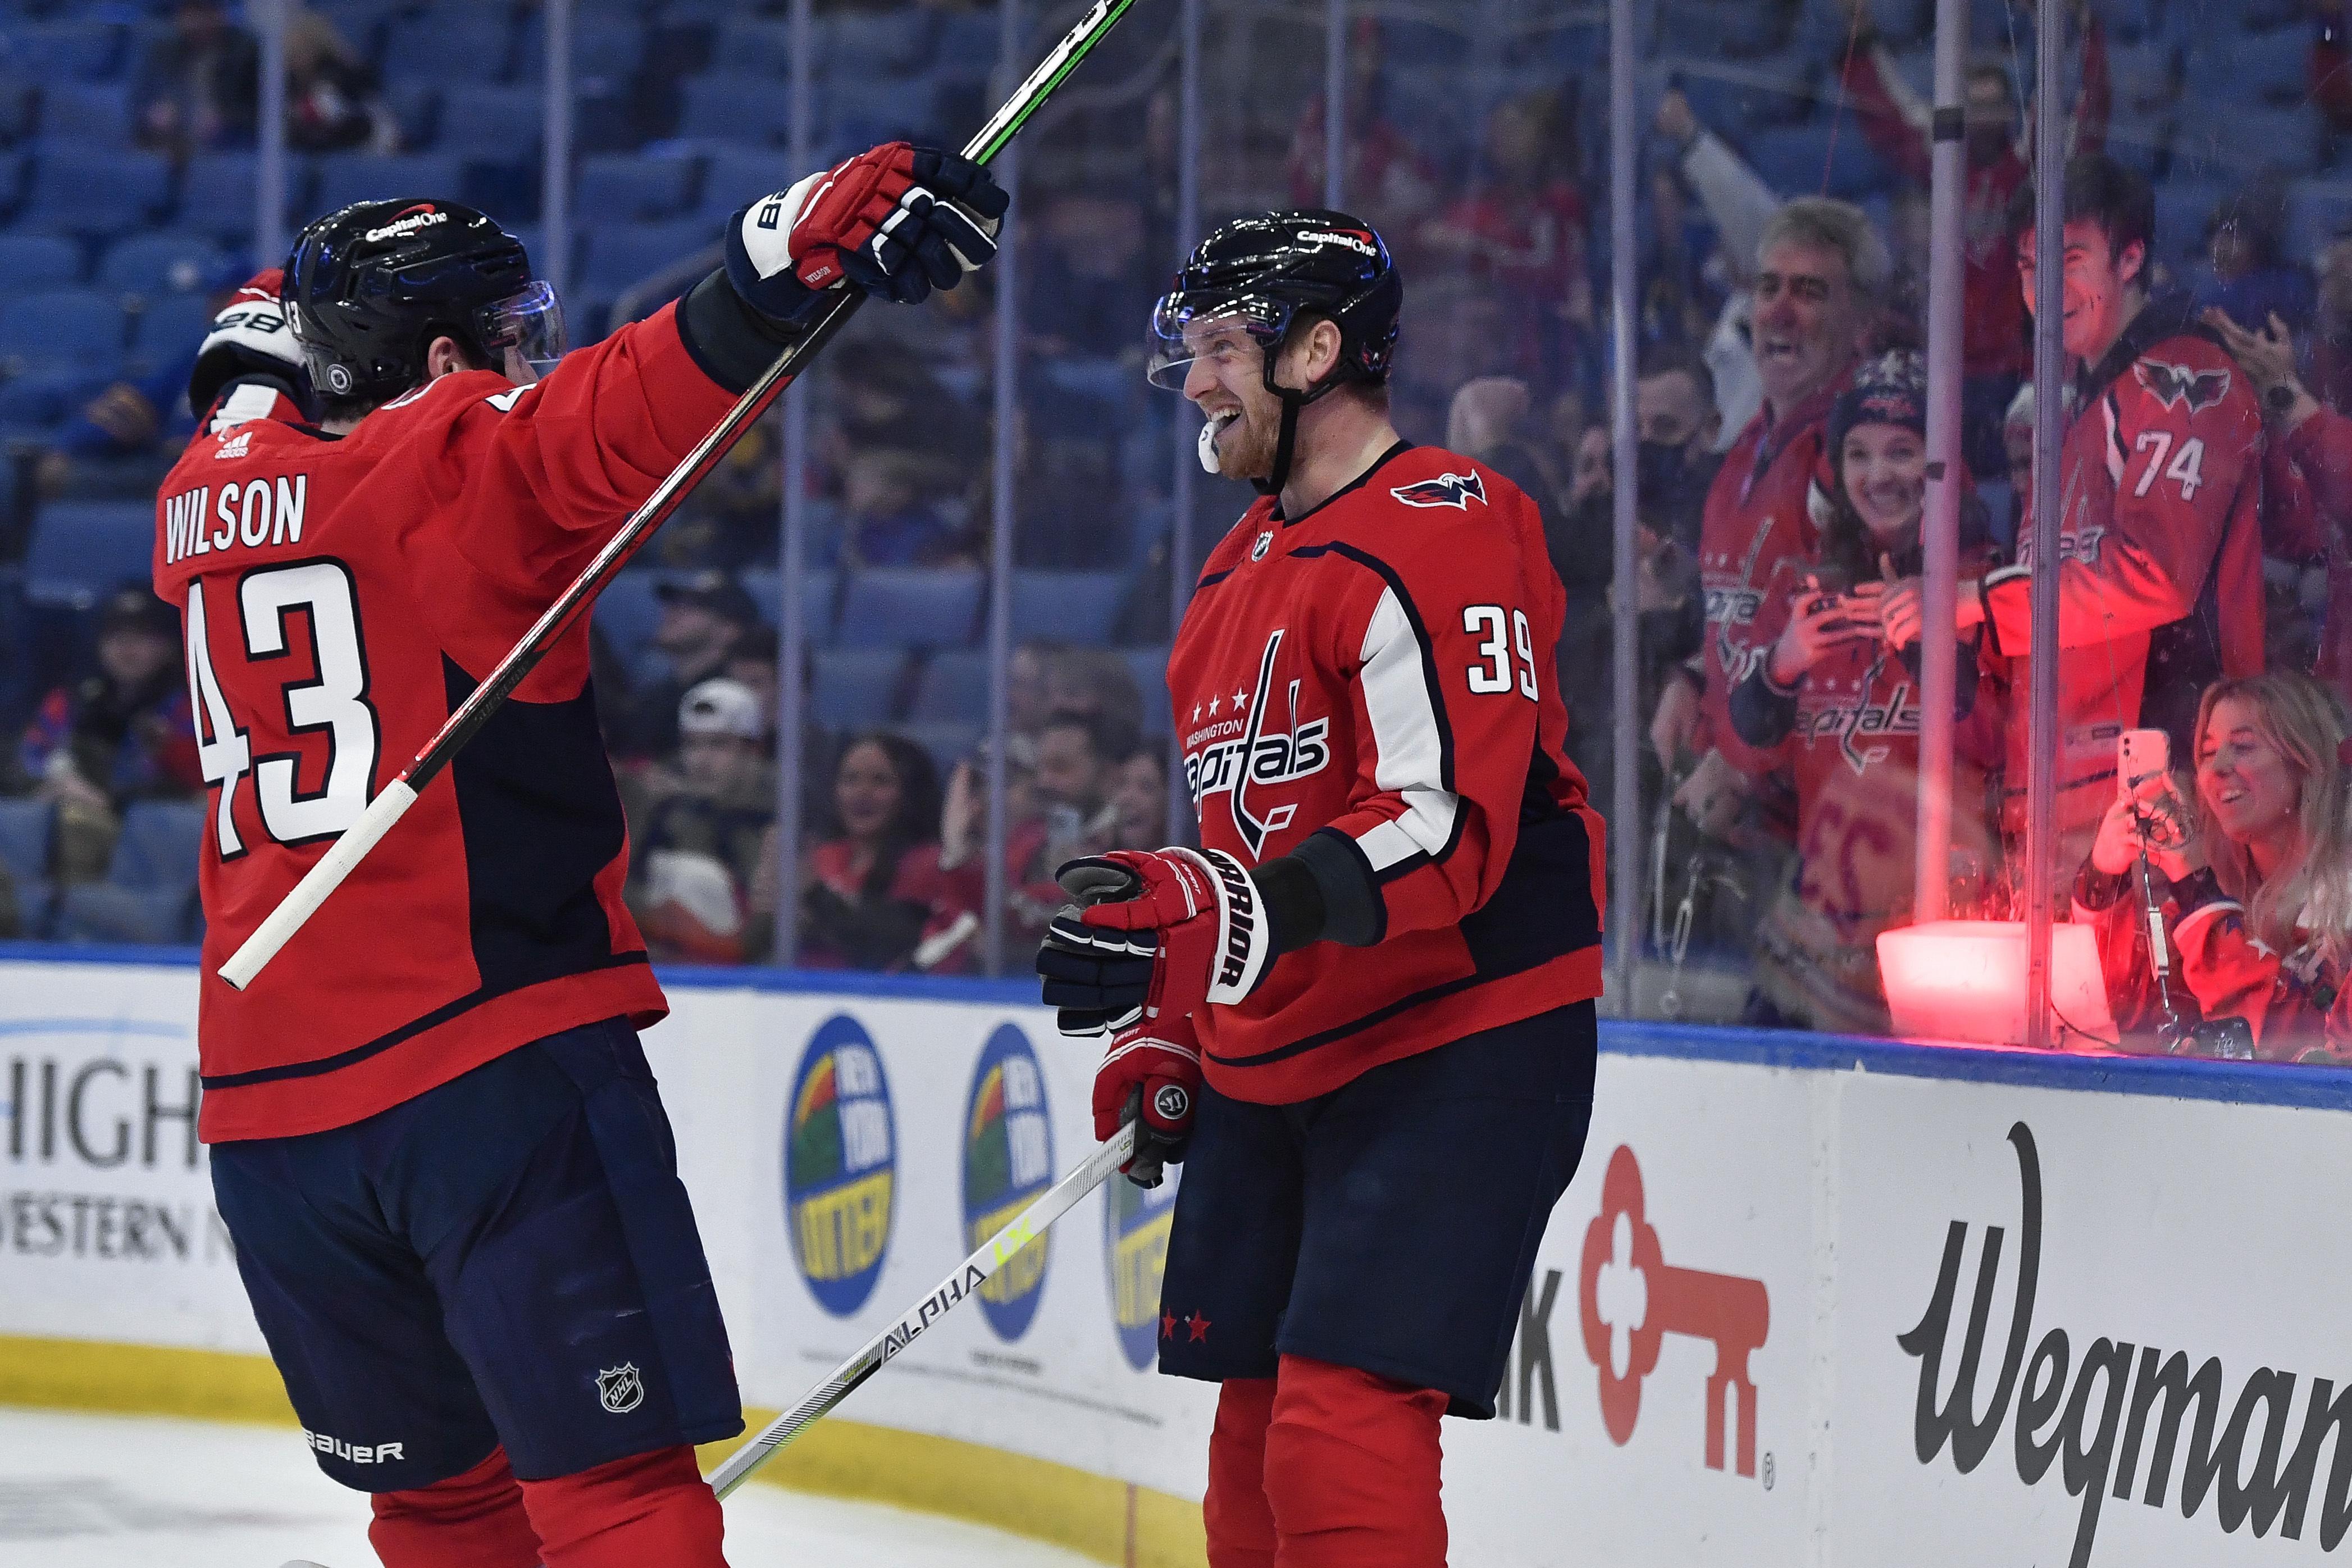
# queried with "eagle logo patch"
point(2174, 384)
point(1456, 491)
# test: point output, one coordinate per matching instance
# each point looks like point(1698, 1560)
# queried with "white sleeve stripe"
point(1408, 739)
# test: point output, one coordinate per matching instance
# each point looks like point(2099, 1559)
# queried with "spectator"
point(2017, 450)
point(1079, 754)
point(857, 910)
point(197, 85)
point(1995, 347)
point(1676, 417)
point(1524, 230)
point(1139, 798)
point(1091, 269)
point(2306, 478)
point(331, 104)
point(1386, 176)
point(703, 618)
point(124, 735)
point(889, 523)
point(2331, 347)
point(950, 877)
point(1840, 710)
point(2160, 589)
point(1092, 683)
point(1821, 273)
point(2253, 878)
point(1488, 422)
point(2247, 274)
point(701, 846)
point(1739, 204)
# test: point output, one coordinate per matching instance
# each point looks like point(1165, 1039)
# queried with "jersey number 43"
point(333, 703)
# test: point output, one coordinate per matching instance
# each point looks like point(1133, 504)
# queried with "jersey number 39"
point(1486, 621)
point(334, 702)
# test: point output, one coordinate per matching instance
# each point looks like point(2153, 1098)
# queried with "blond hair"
point(2312, 893)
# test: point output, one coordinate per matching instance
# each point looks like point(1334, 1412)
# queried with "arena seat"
point(93, 113)
point(899, 607)
point(501, 123)
point(38, 261)
point(450, 44)
point(627, 187)
point(730, 106)
point(60, 329)
point(854, 687)
point(218, 194)
point(954, 688)
point(366, 177)
point(150, 892)
point(95, 191)
point(82, 549)
point(179, 261)
point(24, 826)
point(63, 51)
point(1068, 606)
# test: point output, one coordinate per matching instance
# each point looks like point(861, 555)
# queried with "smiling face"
point(1807, 322)
point(1226, 380)
point(2252, 790)
point(865, 791)
point(1884, 469)
point(2102, 288)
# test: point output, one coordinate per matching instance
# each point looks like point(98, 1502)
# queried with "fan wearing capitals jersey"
point(435, 1138)
point(1363, 1012)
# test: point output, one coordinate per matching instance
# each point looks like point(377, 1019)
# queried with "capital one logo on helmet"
point(1008, 1164)
point(840, 1165)
point(1630, 1299)
point(409, 220)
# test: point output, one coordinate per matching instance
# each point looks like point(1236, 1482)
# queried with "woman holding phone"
point(2251, 871)
point(1839, 708)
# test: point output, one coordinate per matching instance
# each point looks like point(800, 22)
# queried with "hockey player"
point(2160, 547)
point(1365, 1006)
point(436, 1142)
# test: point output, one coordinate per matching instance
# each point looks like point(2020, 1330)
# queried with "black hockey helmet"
point(1265, 270)
point(370, 286)
point(1261, 273)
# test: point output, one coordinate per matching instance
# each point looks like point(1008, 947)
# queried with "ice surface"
point(112, 1491)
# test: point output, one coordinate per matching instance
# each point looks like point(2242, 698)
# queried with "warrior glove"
point(898, 222)
point(1156, 935)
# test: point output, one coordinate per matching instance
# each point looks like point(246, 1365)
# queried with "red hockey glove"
point(1152, 1072)
point(1159, 934)
point(898, 221)
point(251, 356)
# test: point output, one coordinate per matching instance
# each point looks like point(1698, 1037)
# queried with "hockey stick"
point(393, 803)
point(968, 1276)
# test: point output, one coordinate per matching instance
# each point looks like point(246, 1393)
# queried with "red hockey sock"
point(1351, 1470)
point(646, 1509)
point(470, 1520)
point(1240, 1522)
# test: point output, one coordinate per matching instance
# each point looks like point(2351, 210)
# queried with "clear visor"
point(1186, 328)
point(527, 327)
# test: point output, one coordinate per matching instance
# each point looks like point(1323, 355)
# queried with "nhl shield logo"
point(620, 1390)
point(1265, 543)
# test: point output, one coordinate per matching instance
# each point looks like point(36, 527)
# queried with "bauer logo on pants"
point(1631, 1299)
point(1008, 1164)
point(840, 1160)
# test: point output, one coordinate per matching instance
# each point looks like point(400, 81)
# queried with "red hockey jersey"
point(2159, 560)
point(1761, 524)
point(1379, 674)
point(340, 598)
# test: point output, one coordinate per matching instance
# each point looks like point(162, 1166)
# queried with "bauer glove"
point(1156, 936)
point(898, 222)
point(1151, 1073)
point(249, 360)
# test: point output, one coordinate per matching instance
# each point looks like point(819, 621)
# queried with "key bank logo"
point(1136, 1245)
point(1631, 1299)
point(1008, 1164)
point(840, 1160)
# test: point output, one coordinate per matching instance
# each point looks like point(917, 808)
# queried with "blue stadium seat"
point(1066, 607)
point(2183, 207)
point(757, 45)
point(175, 262)
point(818, 590)
point(898, 606)
point(948, 743)
point(627, 610)
point(2317, 213)
point(60, 329)
point(94, 190)
point(625, 187)
point(220, 193)
point(168, 328)
point(62, 51)
point(875, 43)
point(854, 687)
point(44, 397)
point(24, 827)
point(93, 113)
point(736, 176)
point(2249, 138)
point(83, 549)
point(102, 912)
point(1802, 160)
point(503, 124)
point(37, 261)
point(954, 688)
point(158, 850)
point(369, 178)
point(34, 899)
point(362, 23)
point(723, 106)
point(884, 109)
point(621, 255)
point(606, 51)
point(450, 44)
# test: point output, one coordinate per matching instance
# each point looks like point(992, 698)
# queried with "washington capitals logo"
point(2174, 385)
point(1456, 491)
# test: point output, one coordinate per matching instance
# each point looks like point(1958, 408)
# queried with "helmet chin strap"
point(1286, 445)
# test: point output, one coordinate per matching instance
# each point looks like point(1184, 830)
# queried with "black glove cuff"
point(2097, 891)
point(730, 341)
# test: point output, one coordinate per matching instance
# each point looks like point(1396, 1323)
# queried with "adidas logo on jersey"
point(234, 446)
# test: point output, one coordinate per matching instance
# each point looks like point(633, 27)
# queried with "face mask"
point(1658, 471)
